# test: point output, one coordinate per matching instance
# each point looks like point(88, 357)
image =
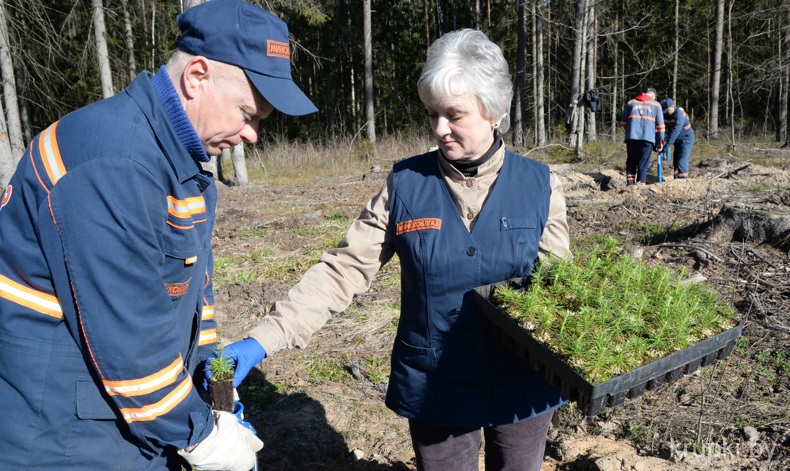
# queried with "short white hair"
point(222, 70)
point(466, 61)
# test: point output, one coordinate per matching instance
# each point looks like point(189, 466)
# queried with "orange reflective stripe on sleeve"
point(50, 154)
point(187, 207)
point(156, 381)
point(207, 337)
point(159, 408)
point(32, 299)
point(184, 211)
point(207, 313)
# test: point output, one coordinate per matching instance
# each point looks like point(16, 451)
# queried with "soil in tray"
point(606, 313)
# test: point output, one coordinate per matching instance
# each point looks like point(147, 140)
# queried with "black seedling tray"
point(595, 399)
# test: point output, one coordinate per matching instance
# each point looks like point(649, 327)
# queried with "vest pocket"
point(412, 368)
point(521, 238)
point(519, 222)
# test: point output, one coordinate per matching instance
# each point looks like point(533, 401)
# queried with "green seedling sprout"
point(607, 313)
point(221, 365)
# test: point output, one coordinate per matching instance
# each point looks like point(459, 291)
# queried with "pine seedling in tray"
point(606, 313)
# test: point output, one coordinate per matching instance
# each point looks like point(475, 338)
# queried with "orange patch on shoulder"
point(418, 225)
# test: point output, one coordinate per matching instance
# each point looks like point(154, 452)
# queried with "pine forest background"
point(726, 62)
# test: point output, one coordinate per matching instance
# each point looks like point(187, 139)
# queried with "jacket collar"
point(142, 91)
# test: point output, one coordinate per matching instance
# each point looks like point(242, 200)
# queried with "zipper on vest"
point(504, 222)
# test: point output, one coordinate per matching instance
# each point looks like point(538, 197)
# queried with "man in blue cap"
point(106, 302)
point(680, 134)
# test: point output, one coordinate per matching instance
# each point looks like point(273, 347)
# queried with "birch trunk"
point(239, 165)
point(370, 113)
point(540, 110)
point(8, 159)
point(102, 56)
point(127, 21)
point(521, 65)
point(592, 47)
point(12, 124)
point(575, 137)
point(713, 119)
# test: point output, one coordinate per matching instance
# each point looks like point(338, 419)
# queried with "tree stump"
point(756, 226)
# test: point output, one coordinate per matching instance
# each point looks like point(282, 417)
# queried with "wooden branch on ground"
point(694, 247)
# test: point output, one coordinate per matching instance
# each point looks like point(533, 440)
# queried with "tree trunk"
point(12, 125)
point(550, 72)
point(713, 119)
point(102, 56)
point(222, 160)
point(8, 159)
point(592, 47)
point(540, 110)
point(239, 165)
point(781, 104)
point(786, 102)
point(615, 110)
point(753, 225)
point(426, 21)
point(730, 97)
point(576, 72)
point(127, 21)
point(578, 50)
point(187, 4)
point(521, 65)
point(370, 114)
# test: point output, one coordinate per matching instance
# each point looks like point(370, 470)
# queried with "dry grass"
point(283, 163)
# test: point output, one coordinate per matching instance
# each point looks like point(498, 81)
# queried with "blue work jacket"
point(678, 126)
point(643, 120)
point(105, 291)
point(446, 369)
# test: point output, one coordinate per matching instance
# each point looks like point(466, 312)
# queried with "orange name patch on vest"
point(278, 49)
point(418, 225)
point(177, 289)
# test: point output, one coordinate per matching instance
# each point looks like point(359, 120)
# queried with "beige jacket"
point(330, 285)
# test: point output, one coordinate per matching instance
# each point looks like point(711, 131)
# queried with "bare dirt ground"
point(321, 408)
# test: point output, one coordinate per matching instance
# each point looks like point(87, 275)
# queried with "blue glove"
point(238, 411)
point(245, 354)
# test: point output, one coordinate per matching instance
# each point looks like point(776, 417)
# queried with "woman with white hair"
point(467, 214)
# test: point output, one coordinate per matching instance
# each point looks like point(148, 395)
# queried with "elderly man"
point(680, 134)
point(644, 133)
point(106, 304)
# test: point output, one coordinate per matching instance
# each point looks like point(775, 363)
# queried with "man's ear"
point(196, 71)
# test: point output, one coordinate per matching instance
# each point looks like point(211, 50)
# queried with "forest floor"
point(322, 407)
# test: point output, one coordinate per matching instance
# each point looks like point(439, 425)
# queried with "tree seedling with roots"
point(220, 385)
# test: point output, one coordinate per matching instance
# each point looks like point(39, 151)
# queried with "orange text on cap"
point(278, 49)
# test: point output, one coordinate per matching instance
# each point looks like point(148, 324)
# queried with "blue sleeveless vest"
point(446, 370)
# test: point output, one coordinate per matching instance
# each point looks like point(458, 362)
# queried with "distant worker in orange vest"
point(644, 133)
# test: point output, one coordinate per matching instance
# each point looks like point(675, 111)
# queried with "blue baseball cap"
point(247, 36)
point(666, 103)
